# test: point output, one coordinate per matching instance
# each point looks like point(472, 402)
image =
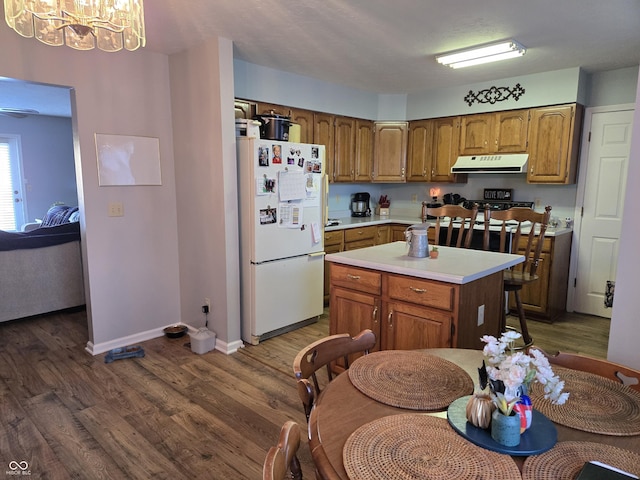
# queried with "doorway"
point(599, 206)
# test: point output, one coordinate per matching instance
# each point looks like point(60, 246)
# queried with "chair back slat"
point(464, 230)
point(323, 354)
point(283, 457)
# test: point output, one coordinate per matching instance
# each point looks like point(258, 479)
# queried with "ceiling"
point(390, 47)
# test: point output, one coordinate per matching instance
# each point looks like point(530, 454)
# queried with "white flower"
point(516, 368)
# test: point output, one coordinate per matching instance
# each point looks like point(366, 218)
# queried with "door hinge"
point(453, 330)
point(589, 137)
point(582, 211)
point(575, 282)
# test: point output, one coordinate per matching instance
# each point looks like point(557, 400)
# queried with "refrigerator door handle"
point(317, 254)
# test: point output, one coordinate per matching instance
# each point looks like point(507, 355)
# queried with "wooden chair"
point(524, 273)
point(462, 221)
point(612, 371)
point(326, 352)
point(283, 457)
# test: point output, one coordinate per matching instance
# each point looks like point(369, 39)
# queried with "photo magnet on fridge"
point(263, 156)
point(277, 154)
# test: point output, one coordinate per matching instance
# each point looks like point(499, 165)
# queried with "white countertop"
point(354, 222)
point(453, 265)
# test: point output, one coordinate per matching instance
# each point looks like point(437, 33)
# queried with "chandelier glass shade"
point(110, 25)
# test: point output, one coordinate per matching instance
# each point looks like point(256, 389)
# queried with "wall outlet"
point(414, 198)
point(480, 315)
point(337, 198)
point(116, 209)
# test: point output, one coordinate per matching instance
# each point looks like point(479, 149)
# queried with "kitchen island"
point(413, 302)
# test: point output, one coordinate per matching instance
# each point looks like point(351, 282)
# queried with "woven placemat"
point(596, 404)
point(418, 446)
point(566, 459)
point(410, 379)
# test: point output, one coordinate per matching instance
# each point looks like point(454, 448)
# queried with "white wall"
point(47, 160)
point(624, 336)
point(206, 186)
point(131, 261)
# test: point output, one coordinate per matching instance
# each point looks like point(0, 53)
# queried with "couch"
point(41, 270)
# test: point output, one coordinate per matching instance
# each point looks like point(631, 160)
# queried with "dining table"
point(385, 412)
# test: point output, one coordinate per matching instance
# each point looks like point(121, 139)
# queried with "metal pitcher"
point(417, 241)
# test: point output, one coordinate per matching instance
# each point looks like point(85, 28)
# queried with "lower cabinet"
point(546, 298)
point(411, 313)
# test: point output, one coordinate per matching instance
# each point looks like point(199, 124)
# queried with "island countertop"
point(453, 265)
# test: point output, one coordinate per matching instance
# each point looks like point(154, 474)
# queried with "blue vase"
point(505, 429)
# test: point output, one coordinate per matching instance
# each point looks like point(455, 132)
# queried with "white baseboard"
point(96, 349)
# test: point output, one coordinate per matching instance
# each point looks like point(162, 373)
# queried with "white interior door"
point(605, 182)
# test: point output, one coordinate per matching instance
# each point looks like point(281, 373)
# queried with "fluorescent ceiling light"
point(482, 54)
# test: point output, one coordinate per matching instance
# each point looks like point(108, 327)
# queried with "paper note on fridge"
point(290, 215)
point(292, 185)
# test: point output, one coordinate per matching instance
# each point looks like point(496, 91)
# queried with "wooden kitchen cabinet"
point(390, 151)
point(419, 150)
point(412, 313)
point(554, 142)
point(333, 243)
point(323, 134)
point(383, 234)
point(360, 237)
point(494, 133)
point(546, 299)
point(397, 232)
point(267, 108)
point(305, 119)
point(364, 150)
point(355, 300)
point(446, 133)
point(344, 149)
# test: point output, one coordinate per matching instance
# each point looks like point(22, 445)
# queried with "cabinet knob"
point(417, 290)
point(389, 319)
point(353, 277)
point(375, 314)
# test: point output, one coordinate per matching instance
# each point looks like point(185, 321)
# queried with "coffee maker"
point(360, 205)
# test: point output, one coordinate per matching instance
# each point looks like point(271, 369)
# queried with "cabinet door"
point(345, 141)
point(351, 312)
point(535, 295)
point(553, 145)
point(383, 234)
point(445, 149)
point(304, 118)
point(476, 132)
point(244, 109)
point(390, 151)
point(327, 269)
point(397, 232)
point(323, 134)
point(364, 151)
point(266, 108)
point(511, 129)
point(419, 150)
point(410, 327)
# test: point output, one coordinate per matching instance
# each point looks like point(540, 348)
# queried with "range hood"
point(506, 163)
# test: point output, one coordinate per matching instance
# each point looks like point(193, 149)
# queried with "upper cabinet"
point(364, 150)
point(345, 149)
point(390, 151)
point(323, 134)
point(446, 133)
point(554, 141)
point(489, 133)
point(304, 118)
point(419, 150)
point(424, 150)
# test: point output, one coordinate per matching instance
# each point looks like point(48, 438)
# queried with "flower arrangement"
point(510, 373)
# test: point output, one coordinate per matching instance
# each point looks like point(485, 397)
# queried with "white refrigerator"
point(282, 190)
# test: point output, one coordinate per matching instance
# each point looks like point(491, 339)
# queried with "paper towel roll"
point(294, 133)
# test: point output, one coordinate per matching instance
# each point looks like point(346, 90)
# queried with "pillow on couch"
point(57, 215)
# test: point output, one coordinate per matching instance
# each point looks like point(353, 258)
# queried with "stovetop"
point(498, 204)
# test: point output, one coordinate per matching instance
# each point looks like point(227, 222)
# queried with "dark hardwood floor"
point(172, 414)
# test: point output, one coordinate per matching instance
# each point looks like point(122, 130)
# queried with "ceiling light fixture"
point(111, 25)
point(482, 54)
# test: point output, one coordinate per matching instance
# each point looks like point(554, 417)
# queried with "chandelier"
point(111, 25)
